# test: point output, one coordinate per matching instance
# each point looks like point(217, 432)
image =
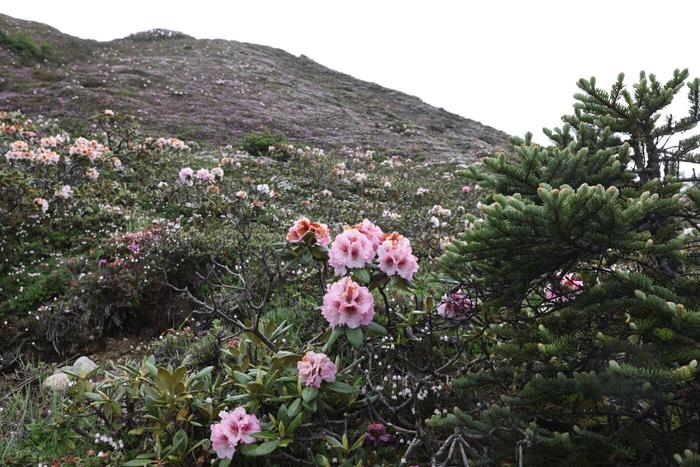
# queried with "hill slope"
point(218, 90)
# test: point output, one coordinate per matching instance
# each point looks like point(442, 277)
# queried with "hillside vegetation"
point(217, 90)
point(168, 300)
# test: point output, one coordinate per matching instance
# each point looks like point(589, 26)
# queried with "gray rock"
point(83, 366)
point(57, 382)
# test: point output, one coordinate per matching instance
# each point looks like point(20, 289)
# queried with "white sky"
point(510, 64)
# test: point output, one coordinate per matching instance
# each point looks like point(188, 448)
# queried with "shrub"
point(25, 47)
point(259, 143)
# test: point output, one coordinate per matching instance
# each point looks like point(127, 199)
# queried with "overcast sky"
point(510, 64)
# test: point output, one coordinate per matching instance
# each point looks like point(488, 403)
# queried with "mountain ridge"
point(218, 90)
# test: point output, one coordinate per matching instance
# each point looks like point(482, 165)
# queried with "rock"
point(83, 366)
point(57, 382)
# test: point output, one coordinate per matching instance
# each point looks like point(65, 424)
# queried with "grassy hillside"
point(217, 90)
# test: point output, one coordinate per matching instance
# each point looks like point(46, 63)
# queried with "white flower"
point(65, 192)
point(217, 172)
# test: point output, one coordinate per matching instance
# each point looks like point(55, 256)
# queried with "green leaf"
point(337, 332)
point(295, 423)
point(376, 328)
point(242, 377)
point(361, 275)
point(203, 372)
point(255, 450)
point(266, 435)
point(309, 393)
point(358, 442)
point(138, 462)
point(342, 388)
point(294, 407)
point(333, 442)
point(354, 337)
point(94, 396)
point(180, 441)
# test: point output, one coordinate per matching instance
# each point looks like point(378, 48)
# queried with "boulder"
point(57, 382)
point(83, 366)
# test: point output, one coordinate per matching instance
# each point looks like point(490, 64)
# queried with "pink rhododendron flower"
point(42, 203)
point(46, 156)
point(241, 194)
point(315, 368)
point(351, 249)
point(51, 141)
point(217, 172)
point(396, 256)
point(204, 174)
point(235, 427)
point(455, 305)
point(564, 292)
point(303, 225)
point(186, 174)
point(91, 149)
point(348, 303)
point(371, 231)
point(174, 143)
point(466, 189)
point(65, 192)
point(134, 247)
point(19, 150)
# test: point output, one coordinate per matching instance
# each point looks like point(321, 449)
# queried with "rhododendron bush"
point(274, 333)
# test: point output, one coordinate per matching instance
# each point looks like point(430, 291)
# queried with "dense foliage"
point(585, 268)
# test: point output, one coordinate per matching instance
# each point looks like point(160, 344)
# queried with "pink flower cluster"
point(19, 150)
point(235, 427)
point(396, 256)
point(455, 305)
point(172, 143)
point(42, 204)
point(314, 368)
point(46, 156)
point(187, 175)
point(303, 225)
point(348, 303)
point(351, 249)
point(89, 148)
point(65, 192)
point(565, 291)
point(204, 175)
point(52, 141)
point(371, 231)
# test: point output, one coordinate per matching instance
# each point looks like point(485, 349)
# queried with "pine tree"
point(585, 267)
